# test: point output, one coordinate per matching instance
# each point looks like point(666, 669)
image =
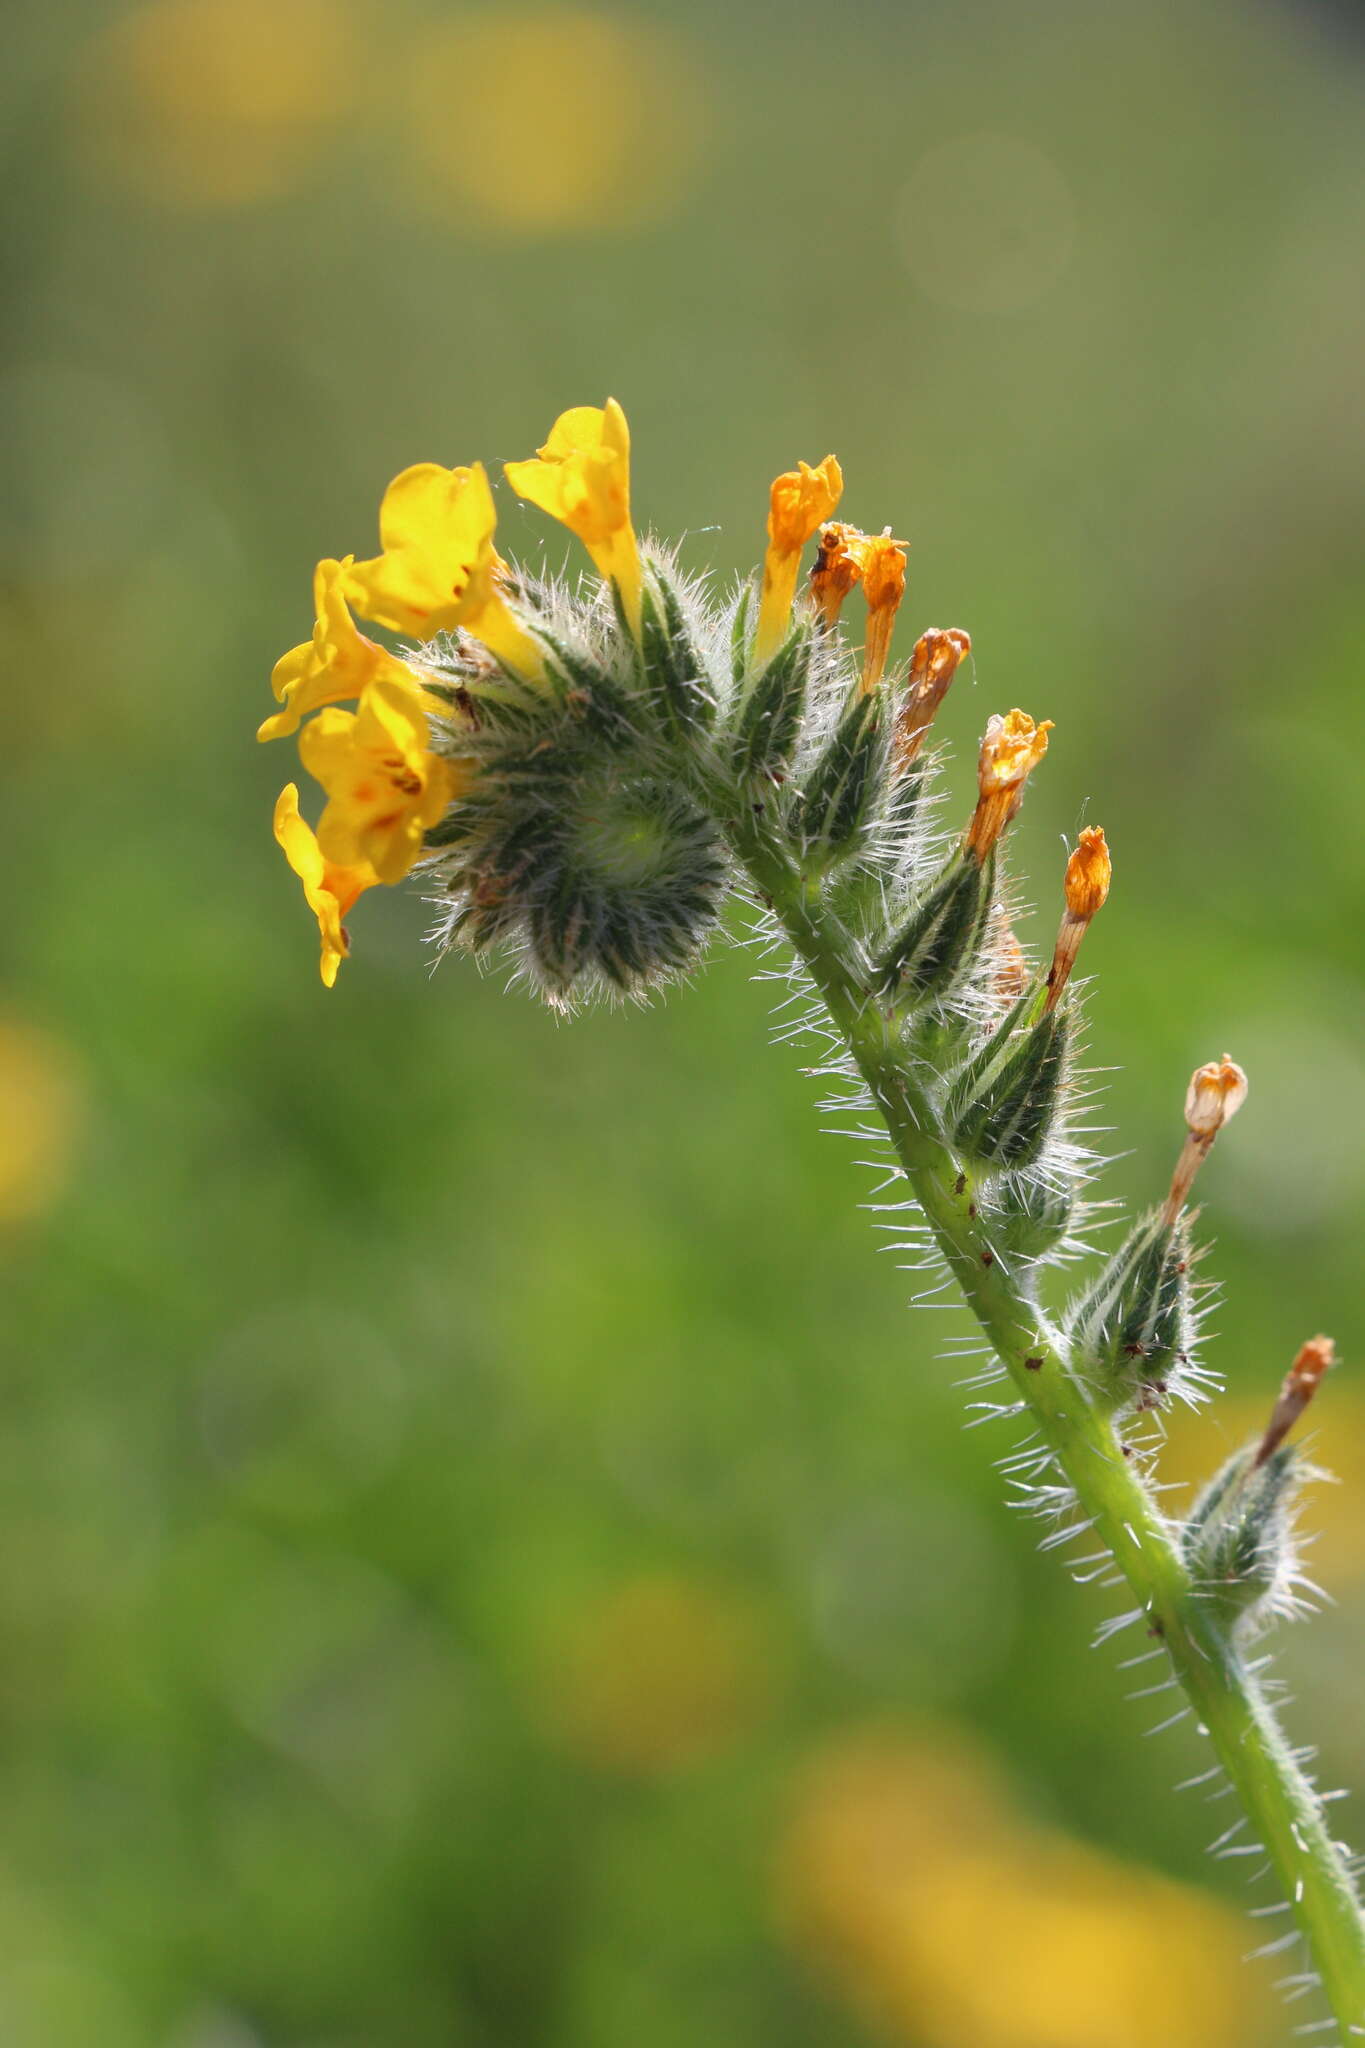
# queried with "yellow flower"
point(801, 500)
point(582, 477)
point(1089, 872)
point(839, 567)
point(934, 662)
point(384, 785)
point(439, 568)
point(337, 663)
point(330, 890)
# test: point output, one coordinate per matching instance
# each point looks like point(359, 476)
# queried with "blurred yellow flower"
point(665, 1672)
point(905, 1865)
point(384, 785)
point(329, 889)
point(582, 476)
point(336, 664)
point(214, 103)
point(439, 568)
point(40, 1114)
point(541, 120)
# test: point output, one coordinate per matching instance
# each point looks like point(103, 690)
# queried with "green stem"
point(1110, 1493)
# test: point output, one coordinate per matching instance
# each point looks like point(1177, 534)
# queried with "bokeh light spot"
point(213, 103)
point(41, 1101)
point(661, 1674)
point(546, 120)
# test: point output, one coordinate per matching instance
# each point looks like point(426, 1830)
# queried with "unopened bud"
point(1216, 1093)
point(1011, 749)
point(1088, 874)
point(1301, 1382)
point(933, 664)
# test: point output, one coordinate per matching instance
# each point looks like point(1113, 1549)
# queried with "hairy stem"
point(1110, 1493)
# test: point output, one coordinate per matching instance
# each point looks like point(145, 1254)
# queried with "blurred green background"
point(486, 1557)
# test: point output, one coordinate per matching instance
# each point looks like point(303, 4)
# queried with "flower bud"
point(1301, 1382)
point(1010, 750)
point(933, 664)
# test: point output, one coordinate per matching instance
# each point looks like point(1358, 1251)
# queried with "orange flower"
point(1010, 751)
point(1088, 874)
point(800, 502)
point(883, 587)
point(934, 662)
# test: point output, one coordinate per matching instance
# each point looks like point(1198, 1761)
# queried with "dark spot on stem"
point(1033, 1365)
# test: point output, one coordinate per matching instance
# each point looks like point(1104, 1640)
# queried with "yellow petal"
point(330, 890)
point(581, 476)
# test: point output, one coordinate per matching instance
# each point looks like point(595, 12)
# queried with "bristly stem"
point(1110, 1494)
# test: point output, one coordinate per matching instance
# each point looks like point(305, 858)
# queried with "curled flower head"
point(1215, 1094)
point(883, 587)
point(384, 786)
point(801, 501)
point(934, 661)
point(1088, 874)
point(439, 568)
point(330, 890)
point(1010, 751)
point(582, 477)
point(336, 664)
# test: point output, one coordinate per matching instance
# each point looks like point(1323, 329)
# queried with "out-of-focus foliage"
point(485, 1555)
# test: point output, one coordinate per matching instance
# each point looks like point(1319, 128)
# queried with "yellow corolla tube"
point(582, 477)
point(439, 568)
point(801, 500)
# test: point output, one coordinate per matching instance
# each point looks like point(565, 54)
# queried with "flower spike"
point(439, 568)
point(1088, 875)
point(1010, 751)
point(330, 890)
point(1215, 1094)
point(800, 502)
point(582, 477)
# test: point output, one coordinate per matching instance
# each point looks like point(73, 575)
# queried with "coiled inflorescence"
point(581, 775)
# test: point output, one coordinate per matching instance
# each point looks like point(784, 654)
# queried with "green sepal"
point(1028, 1215)
point(1236, 1542)
point(589, 694)
point(675, 678)
point(1135, 1324)
point(769, 721)
point(943, 935)
point(845, 785)
point(741, 635)
point(1001, 1110)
